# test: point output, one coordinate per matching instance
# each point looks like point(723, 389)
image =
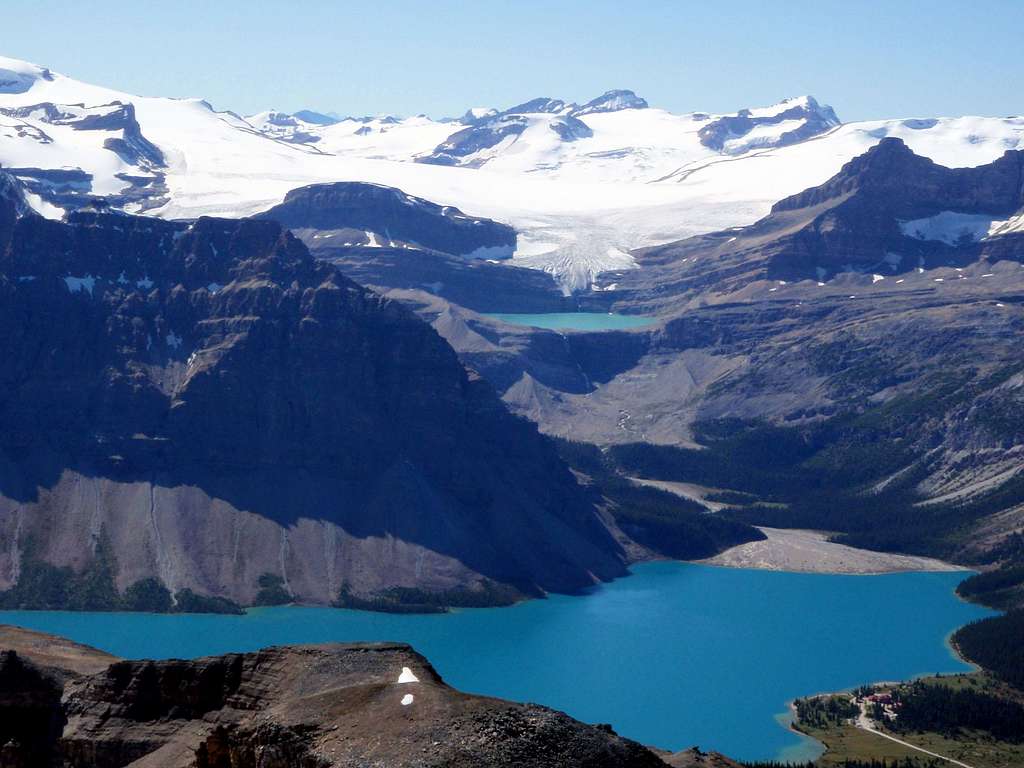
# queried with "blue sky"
point(868, 59)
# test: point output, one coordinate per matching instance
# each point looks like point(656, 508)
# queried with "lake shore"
point(802, 551)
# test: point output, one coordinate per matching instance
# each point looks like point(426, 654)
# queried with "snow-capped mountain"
point(611, 101)
point(787, 122)
point(582, 185)
point(383, 138)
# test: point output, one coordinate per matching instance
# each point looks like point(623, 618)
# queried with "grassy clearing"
point(846, 742)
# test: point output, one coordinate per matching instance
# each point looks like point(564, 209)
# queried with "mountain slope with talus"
point(582, 185)
point(204, 403)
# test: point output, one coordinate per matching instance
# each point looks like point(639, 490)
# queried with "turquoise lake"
point(577, 321)
point(674, 655)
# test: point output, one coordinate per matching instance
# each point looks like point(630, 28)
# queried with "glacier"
point(581, 201)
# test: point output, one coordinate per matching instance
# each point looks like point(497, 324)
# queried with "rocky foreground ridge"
point(316, 706)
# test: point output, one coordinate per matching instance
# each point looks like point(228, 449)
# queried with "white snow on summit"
point(800, 102)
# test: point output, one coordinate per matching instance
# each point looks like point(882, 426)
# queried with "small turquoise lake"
point(675, 655)
point(576, 321)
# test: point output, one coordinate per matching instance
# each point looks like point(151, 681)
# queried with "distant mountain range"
point(582, 185)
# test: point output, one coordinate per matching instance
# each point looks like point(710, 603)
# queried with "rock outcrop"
point(324, 706)
point(386, 239)
point(379, 216)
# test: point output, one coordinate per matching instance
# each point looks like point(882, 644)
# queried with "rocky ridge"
point(354, 214)
point(314, 706)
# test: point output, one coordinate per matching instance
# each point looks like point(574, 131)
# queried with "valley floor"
point(812, 552)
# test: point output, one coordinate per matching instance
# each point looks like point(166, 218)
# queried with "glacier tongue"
point(578, 250)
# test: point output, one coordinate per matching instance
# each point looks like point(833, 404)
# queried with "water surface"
point(578, 321)
point(673, 656)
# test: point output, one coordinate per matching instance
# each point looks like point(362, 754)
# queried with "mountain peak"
point(883, 160)
point(612, 101)
point(315, 118)
point(795, 119)
point(793, 107)
point(541, 104)
point(477, 114)
point(888, 165)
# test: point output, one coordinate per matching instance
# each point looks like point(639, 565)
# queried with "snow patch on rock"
point(80, 284)
point(407, 676)
point(952, 227)
point(492, 252)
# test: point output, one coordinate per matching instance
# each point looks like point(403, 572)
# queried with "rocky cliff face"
point(312, 706)
point(378, 216)
point(384, 238)
point(206, 403)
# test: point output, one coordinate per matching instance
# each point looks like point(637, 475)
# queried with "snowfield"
point(643, 177)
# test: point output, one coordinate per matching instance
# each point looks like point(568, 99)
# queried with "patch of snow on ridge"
point(407, 676)
point(952, 228)
point(43, 208)
point(491, 252)
point(1012, 225)
point(407, 699)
